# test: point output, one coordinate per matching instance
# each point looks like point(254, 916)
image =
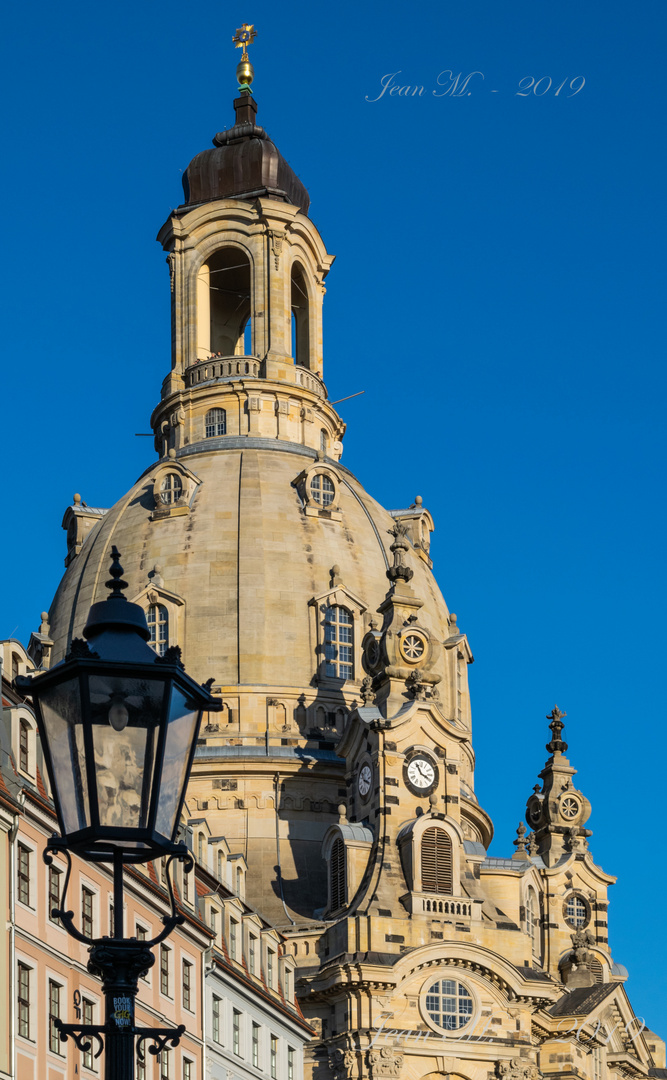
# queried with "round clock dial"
point(420, 774)
point(365, 780)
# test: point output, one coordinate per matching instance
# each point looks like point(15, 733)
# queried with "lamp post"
point(118, 726)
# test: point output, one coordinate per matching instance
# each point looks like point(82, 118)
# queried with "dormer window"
point(338, 642)
point(24, 757)
point(171, 489)
point(216, 423)
point(322, 490)
point(158, 625)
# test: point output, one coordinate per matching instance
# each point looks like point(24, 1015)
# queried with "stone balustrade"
point(222, 367)
point(310, 381)
point(458, 908)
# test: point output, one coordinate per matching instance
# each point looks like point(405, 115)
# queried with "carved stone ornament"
point(581, 940)
point(341, 1063)
point(516, 1069)
point(398, 549)
point(277, 239)
point(384, 1061)
point(171, 263)
point(366, 690)
point(416, 685)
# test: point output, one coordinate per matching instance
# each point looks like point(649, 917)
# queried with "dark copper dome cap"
point(243, 165)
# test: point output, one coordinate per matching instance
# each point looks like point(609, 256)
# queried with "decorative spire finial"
point(520, 843)
point(557, 745)
point(245, 72)
point(398, 549)
point(115, 582)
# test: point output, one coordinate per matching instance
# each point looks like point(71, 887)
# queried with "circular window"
point(171, 489)
point(413, 647)
point(569, 807)
point(576, 912)
point(322, 490)
point(534, 812)
point(449, 1004)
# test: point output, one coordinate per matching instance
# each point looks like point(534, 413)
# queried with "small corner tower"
point(557, 812)
point(247, 269)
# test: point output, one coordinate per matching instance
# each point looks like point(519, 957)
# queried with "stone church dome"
point(254, 550)
point(244, 562)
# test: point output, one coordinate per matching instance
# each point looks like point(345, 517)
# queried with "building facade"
point(338, 783)
point(46, 970)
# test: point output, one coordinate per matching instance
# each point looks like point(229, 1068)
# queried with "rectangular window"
point(186, 888)
point(141, 933)
point(214, 920)
point(54, 891)
point(23, 746)
point(164, 1065)
point(251, 953)
point(255, 1045)
point(274, 1057)
point(291, 1057)
point(164, 970)
point(187, 985)
point(187, 1069)
point(216, 1019)
point(87, 1018)
point(233, 928)
point(24, 1001)
point(54, 1014)
point(236, 1032)
point(338, 642)
point(269, 966)
point(24, 874)
point(87, 911)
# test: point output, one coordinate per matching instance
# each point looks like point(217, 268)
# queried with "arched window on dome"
point(215, 423)
point(300, 317)
point(223, 304)
point(338, 642)
point(436, 862)
point(322, 490)
point(337, 874)
point(171, 489)
point(324, 441)
point(157, 618)
point(533, 921)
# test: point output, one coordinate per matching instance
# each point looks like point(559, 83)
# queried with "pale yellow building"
point(341, 770)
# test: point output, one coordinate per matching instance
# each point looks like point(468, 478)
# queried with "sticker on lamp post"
point(122, 1012)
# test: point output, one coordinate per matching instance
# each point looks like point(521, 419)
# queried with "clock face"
point(365, 780)
point(420, 773)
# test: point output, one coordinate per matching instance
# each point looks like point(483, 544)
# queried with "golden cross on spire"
point(243, 37)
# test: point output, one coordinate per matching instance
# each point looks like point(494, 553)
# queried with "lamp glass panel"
point(125, 717)
point(180, 734)
point(63, 728)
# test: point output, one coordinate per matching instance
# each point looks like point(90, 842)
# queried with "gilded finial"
point(245, 72)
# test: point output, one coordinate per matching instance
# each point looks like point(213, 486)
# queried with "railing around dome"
point(310, 381)
point(222, 367)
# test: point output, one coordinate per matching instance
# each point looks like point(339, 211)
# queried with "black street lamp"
point(118, 726)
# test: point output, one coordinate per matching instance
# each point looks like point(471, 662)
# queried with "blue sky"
point(496, 293)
